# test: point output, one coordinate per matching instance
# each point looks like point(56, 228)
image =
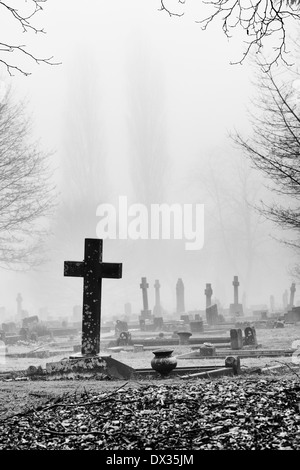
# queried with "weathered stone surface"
point(93, 270)
point(250, 336)
point(234, 362)
point(236, 338)
point(93, 365)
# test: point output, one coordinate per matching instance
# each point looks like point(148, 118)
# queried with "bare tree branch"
point(26, 192)
point(258, 19)
point(18, 16)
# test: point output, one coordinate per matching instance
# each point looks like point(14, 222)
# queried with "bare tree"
point(26, 191)
point(274, 148)
point(12, 54)
point(257, 20)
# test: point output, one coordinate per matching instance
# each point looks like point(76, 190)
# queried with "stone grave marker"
point(93, 270)
point(236, 309)
point(208, 294)
point(292, 295)
point(157, 306)
point(145, 313)
point(180, 306)
point(212, 315)
point(285, 299)
point(127, 309)
point(236, 338)
point(250, 336)
point(19, 305)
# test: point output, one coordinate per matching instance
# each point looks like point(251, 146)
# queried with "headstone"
point(19, 305)
point(145, 313)
point(212, 315)
point(120, 326)
point(272, 303)
point(142, 324)
point(208, 294)
point(127, 309)
point(158, 323)
point(292, 295)
point(157, 306)
point(236, 309)
point(207, 350)
point(180, 307)
point(9, 328)
point(293, 315)
point(234, 362)
point(236, 338)
point(185, 318)
point(93, 270)
point(29, 322)
point(250, 336)
point(196, 326)
point(285, 300)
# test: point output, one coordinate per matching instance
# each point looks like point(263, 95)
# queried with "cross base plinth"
point(146, 315)
point(236, 310)
point(100, 367)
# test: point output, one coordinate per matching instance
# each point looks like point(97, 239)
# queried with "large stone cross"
point(93, 270)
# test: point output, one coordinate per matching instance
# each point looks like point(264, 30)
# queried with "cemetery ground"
point(249, 411)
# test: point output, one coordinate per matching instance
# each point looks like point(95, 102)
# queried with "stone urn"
point(163, 361)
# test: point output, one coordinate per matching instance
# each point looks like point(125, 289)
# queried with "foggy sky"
point(142, 106)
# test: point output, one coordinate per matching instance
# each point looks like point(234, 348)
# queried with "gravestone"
point(157, 306)
point(196, 326)
point(292, 295)
point(19, 305)
point(293, 315)
point(127, 309)
point(285, 300)
point(250, 336)
point(212, 315)
point(207, 350)
point(264, 315)
point(9, 328)
point(208, 294)
point(145, 313)
point(180, 307)
point(236, 309)
point(185, 318)
point(158, 323)
point(29, 322)
point(120, 326)
point(93, 270)
point(236, 338)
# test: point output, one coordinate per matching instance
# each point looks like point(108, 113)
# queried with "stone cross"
point(93, 270)
point(146, 313)
point(208, 293)
point(157, 307)
point(292, 295)
point(236, 284)
point(180, 308)
point(144, 286)
point(19, 300)
point(285, 299)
